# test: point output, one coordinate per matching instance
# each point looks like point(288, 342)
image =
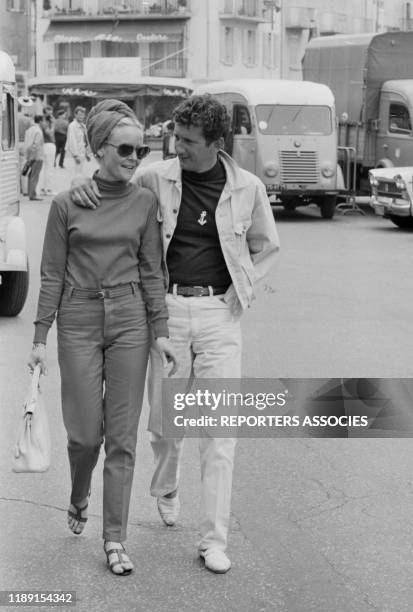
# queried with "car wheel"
point(13, 292)
point(328, 206)
point(405, 222)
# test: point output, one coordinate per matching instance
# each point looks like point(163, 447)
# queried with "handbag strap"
point(34, 389)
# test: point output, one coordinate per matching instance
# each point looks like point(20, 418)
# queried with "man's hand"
point(38, 357)
point(84, 192)
point(167, 353)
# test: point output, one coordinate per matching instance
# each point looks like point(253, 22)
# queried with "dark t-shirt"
point(194, 255)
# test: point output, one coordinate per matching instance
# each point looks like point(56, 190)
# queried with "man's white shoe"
point(169, 508)
point(216, 560)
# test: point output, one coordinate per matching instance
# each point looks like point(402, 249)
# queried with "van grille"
point(299, 167)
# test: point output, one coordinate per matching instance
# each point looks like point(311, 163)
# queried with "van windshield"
point(293, 119)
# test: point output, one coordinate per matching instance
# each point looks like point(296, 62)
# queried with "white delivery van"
point(284, 132)
point(14, 274)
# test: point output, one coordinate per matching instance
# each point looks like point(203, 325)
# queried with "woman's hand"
point(38, 357)
point(167, 353)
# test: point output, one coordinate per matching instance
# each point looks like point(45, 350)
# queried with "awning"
point(110, 90)
point(116, 31)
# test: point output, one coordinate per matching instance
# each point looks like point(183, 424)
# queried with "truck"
point(14, 271)
point(285, 133)
point(371, 76)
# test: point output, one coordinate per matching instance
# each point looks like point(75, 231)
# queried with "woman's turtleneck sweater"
point(116, 244)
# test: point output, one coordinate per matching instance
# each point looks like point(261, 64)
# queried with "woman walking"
point(101, 273)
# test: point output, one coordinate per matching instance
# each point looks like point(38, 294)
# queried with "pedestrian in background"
point(60, 130)
point(34, 153)
point(47, 173)
point(24, 121)
point(77, 146)
point(103, 274)
point(168, 144)
point(219, 240)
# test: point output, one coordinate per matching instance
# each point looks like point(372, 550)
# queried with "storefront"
point(152, 98)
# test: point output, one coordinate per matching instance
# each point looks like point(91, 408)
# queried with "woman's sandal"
point(122, 557)
point(77, 516)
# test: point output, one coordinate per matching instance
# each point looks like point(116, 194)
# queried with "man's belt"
point(196, 290)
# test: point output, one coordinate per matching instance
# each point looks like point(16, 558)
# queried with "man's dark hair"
point(170, 125)
point(79, 108)
point(38, 118)
point(204, 111)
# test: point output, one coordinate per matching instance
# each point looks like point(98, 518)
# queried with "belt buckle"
point(198, 291)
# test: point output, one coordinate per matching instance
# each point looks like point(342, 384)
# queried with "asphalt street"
point(321, 525)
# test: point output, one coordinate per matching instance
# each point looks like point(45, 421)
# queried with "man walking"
point(168, 143)
point(219, 238)
point(34, 150)
point(60, 129)
point(76, 143)
point(46, 175)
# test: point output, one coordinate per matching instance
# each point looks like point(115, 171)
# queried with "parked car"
point(392, 194)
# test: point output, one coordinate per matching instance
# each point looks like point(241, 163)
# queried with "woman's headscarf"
point(102, 118)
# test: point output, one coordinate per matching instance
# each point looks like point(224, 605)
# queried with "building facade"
point(17, 25)
point(151, 53)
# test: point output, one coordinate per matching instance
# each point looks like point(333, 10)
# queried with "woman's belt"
point(103, 292)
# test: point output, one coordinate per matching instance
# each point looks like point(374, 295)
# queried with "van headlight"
point(327, 169)
point(271, 168)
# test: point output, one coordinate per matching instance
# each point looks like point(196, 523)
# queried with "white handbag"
point(32, 448)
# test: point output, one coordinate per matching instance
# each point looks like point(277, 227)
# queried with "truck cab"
point(14, 274)
point(394, 142)
point(285, 133)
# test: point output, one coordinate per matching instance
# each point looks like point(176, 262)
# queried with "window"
point(8, 129)
point(70, 57)
point(15, 5)
point(399, 119)
point(250, 48)
point(120, 49)
point(227, 45)
point(241, 120)
point(293, 119)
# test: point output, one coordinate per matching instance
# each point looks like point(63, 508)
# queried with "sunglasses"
point(125, 150)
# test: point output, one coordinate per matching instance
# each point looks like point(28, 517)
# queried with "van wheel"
point(328, 206)
point(13, 292)
point(405, 222)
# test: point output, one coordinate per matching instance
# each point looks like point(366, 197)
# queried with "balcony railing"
point(64, 67)
point(96, 8)
point(171, 67)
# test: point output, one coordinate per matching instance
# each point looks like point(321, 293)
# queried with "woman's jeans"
point(103, 345)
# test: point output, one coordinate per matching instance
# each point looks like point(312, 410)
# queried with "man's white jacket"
point(244, 219)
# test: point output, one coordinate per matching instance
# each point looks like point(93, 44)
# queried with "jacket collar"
point(235, 179)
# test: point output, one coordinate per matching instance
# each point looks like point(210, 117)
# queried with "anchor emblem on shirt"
point(202, 219)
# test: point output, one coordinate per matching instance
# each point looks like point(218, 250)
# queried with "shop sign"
point(76, 91)
point(151, 38)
